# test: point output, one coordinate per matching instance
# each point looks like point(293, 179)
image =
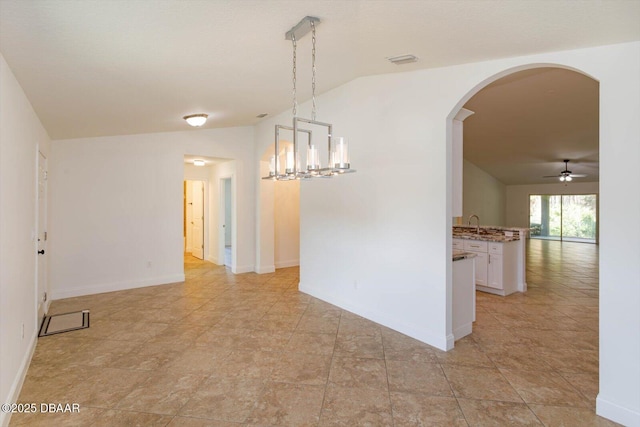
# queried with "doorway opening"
point(564, 217)
point(226, 201)
point(41, 263)
point(525, 120)
point(204, 179)
point(280, 218)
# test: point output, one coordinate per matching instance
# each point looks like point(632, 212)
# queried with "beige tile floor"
point(229, 350)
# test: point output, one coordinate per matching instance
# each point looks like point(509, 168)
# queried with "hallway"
point(229, 350)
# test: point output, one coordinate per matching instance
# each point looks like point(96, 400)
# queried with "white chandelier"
point(286, 165)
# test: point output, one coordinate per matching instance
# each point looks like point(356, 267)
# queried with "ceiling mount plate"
point(301, 28)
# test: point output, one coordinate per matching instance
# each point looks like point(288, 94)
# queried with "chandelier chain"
point(313, 70)
point(295, 98)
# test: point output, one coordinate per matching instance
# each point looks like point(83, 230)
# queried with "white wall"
point(116, 206)
point(619, 71)
point(265, 221)
point(21, 135)
point(197, 173)
point(374, 242)
point(287, 223)
point(386, 236)
point(518, 198)
point(483, 195)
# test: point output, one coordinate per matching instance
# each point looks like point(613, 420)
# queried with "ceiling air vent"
point(403, 59)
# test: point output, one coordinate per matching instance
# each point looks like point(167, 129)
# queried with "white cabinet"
point(480, 249)
point(496, 265)
point(464, 298)
point(481, 268)
point(458, 244)
point(475, 246)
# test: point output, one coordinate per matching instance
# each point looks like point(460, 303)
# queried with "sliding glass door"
point(569, 217)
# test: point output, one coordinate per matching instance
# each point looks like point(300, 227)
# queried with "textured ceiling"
point(93, 68)
point(525, 124)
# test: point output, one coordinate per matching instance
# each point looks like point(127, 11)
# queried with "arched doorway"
point(554, 292)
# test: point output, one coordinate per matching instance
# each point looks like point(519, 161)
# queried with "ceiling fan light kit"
point(286, 165)
point(566, 175)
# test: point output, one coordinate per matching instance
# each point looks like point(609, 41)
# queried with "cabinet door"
point(481, 268)
point(494, 274)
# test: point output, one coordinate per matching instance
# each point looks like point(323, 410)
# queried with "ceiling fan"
point(566, 174)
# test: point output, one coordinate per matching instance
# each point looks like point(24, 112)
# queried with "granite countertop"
point(487, 233)
point(485, 237)
point(493, 227)
point(460, 255)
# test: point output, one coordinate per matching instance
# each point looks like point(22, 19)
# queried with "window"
point(568, 217)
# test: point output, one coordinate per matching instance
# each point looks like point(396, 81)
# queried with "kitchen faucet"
point(478, 225)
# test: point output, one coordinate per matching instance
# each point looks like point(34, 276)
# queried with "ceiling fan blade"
point(551, 176)
point(578, 175)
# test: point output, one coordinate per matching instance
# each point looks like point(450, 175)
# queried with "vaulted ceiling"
point(98, 67)
point(526, 123)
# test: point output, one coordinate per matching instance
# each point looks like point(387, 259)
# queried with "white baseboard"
point(213, 260)
point(115, 286)
point(614, 412)
point(290, 263)
point(239, 269)
point(265, 269)
point(18, 381)
point(462, 331)
point(441, 342)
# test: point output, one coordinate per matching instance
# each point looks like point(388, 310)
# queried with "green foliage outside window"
point(567, 216)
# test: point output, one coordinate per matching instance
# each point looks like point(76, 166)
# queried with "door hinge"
point(45, 236)
point(44, 298)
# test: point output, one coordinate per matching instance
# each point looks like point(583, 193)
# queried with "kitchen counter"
point(487, 233)
point(460, 255)
point(484, 237)
point(505, 246)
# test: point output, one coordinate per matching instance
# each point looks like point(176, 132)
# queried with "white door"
point(494, 271)
point(197, 219)
point(481, 268)
point(41, 264)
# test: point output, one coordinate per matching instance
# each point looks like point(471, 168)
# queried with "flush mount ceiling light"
point(196, 119)
point(199, 162)
point(286, 165)
point(403, 59)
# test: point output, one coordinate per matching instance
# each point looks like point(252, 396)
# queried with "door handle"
point(41, 252)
